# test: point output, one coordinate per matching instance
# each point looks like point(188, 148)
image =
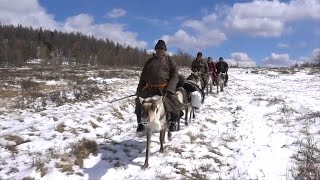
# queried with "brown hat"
point(161, 45)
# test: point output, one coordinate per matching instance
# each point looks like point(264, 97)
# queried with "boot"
point(173, 123)
point(140, 126)
point(173, 126)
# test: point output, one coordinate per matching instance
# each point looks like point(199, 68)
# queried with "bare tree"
point(317, 58)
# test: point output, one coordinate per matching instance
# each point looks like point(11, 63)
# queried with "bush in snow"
point(82, 149)
point(307, 160)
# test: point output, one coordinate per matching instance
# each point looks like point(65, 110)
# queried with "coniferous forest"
point(19, 44)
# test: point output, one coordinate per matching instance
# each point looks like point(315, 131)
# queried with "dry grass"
point(175, 149)
point(211, 120)
point(162, 176)
point(60, 128)
point(94, 125)
point(275, 101)
point(116, 113)
point(82, 149)
point(307, 160)
point(18, 140)
point(8, 93)
point(27, 178)
point(193, 137)
point(65, 167)
point(41, 167)
point(12, 170)
point(99, 119)
point(309, 116)
point(196, 174)
point(216, 160)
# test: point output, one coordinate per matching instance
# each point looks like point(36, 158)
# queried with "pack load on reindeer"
point(196, 95)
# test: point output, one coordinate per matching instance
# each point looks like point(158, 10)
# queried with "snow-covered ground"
point(249, 131)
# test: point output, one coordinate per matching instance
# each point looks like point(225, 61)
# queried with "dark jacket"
point(199, 65)
point(159, 70)
point(156, 71)
point(222, 66)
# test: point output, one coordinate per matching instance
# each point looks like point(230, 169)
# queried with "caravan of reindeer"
point(155, 118)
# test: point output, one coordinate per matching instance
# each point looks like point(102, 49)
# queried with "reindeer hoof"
point(187, 124)
point(161, 150)
point(145, 166)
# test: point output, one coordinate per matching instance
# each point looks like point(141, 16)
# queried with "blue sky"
point(256, 32)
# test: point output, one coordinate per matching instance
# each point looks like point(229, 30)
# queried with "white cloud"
point(185, 41)
point(242, 59)
point(85, 24)
point(281, 60)
point(202, 34)
point(207, 22)
point(117, 12)
point(269, 18)
point(316, 55)
point(316, 52)
point(30, 13)
point(277, 60)
point(240, 56)
point(283, 45)
point(154, 21)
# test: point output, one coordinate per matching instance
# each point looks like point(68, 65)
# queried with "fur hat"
point(161, 45)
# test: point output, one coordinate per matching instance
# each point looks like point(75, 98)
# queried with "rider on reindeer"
point(212, 69)
point(160, 77)
point(200, 66)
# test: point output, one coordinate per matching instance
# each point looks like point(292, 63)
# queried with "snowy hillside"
point(251, 130)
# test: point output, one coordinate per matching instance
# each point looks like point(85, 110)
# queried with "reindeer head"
point(152, 110)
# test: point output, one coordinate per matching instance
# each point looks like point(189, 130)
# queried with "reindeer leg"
point(178, 120)
point(162, 134)
point(146, 162)
point(194, 116)
point(186, 117)
point(190, 116)
point(169, 133)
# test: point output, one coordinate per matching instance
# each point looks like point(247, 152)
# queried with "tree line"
point(19, 44)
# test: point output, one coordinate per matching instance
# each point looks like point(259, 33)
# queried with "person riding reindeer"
point(160, 77)
point(212, 69)
point(222, 67)
point(199, 65)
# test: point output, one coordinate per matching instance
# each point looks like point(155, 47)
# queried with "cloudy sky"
point(266, 33)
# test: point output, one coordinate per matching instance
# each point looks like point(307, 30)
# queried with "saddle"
point(191, 87)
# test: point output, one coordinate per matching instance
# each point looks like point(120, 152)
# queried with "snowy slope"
point(248, 131)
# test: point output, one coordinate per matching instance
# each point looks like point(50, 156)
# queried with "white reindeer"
point(220, 81)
